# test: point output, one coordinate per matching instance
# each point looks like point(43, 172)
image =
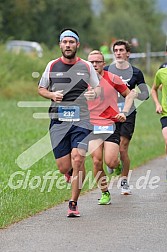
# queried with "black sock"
point(72, 202)
point(107, 191)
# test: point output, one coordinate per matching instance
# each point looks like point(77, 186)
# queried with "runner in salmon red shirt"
point(106, 118)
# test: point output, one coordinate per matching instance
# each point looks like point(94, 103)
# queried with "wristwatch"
point(125, 113)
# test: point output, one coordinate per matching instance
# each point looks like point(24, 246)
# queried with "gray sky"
point(162, 5)
point(96, 5)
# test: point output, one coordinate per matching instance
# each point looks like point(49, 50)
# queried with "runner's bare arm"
point(55, 96)
point(154, 93)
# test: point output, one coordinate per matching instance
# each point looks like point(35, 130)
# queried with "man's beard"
point(69, 56)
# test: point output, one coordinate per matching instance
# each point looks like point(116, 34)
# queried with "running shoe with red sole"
point(68, 175)
point(73, 209)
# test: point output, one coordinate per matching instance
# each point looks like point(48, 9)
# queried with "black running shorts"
point(127, 127)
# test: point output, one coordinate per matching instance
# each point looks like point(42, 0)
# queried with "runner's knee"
point(97, 164)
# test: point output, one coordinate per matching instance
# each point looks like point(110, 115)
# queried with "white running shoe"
point(125, 190)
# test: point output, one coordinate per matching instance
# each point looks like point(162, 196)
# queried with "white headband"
point(69, 33)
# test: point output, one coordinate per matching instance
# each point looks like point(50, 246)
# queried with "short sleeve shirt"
point(73, 79)
point(104, 109)
point(161, 78)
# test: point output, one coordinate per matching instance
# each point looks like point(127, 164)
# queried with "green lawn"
point(26, 192)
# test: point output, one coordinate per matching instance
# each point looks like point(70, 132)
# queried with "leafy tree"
point(19, 18)
point(128, 19)
point(42, 20)
point(61, 14)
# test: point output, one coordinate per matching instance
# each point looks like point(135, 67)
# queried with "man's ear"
point(78, 44)
point(128, 54)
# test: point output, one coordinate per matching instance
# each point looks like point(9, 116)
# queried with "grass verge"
point(24, 192)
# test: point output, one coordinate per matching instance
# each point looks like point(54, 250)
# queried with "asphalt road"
point(131, 223)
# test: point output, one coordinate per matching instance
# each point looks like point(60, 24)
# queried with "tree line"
point(41, 21)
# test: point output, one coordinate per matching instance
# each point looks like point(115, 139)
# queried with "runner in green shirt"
point(160, 81)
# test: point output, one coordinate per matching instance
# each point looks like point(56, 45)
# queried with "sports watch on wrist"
point(125, 113)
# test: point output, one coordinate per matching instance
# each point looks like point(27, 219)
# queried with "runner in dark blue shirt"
point(132, 77)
